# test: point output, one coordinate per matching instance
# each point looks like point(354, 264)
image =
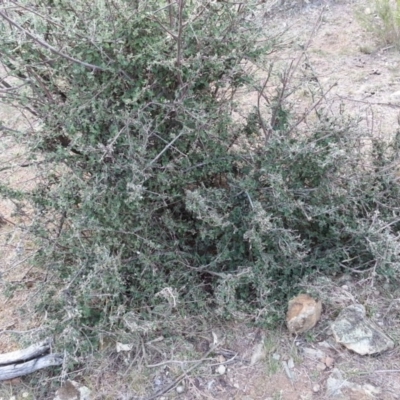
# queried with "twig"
point(267, 132)
point(179, 41)
point(166, 148)
point(153, 18)
point(226, 362)
point(182, 376)
point(5, 220)
point(372, 103)
point(380, 371)
point(160, 364)
point(300, 120)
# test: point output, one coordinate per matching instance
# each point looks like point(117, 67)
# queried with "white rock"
point(276, 356)
point(221, 370)
point(259, 353)
point(180, 389)
point(352, 329)
point(313, 353)
point(316, 388)
point(335, 383)
point(123, 347)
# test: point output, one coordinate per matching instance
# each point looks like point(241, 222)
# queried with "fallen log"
point(30, 352)
point(16, 370)
point(22, 362)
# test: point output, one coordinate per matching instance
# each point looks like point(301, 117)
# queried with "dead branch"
point(22, 362)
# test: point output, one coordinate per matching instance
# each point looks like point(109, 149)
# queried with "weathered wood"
point(22, 362)
point(30, 352)
point(16, 370)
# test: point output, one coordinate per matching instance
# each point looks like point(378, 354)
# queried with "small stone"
point(313, 353)
point(325, 344)
point(329, 361)
point(290, 363)
point(221, 369)
point(221, 358)
point(276, 356)
point(25, 395)
point(180, 389)
point(72, 390)
point(259, 353)
point(334, 385)
point(367, 11)
point(321, 367)
point(316, 388)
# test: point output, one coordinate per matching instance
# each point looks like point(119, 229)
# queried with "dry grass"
point(382, 18)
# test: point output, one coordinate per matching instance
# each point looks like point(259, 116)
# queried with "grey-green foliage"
point(151, 182)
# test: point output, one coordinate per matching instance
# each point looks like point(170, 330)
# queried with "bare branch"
point(179, 40)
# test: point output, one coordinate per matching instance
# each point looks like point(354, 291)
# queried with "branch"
point(30, 352)
point(179, 41)
point(15, 370)
point(48, 46)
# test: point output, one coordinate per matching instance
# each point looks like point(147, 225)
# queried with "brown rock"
point(321, 367)
point(68, 392)
point(329, 361)
point(72, 390)
point(303, 313)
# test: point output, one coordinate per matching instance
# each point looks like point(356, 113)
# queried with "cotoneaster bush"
point(153, 192)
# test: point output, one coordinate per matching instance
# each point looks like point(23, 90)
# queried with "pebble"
point(316, 388)
point(313, 353)
point(180, 389)
point(329, 361)
point(321, 367)
point(276, 356)
point(221, 369)
point(290, 363)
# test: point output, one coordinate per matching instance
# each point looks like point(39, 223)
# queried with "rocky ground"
point(245, 362)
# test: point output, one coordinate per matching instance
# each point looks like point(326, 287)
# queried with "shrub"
point(383, 19)
point(154, 193)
